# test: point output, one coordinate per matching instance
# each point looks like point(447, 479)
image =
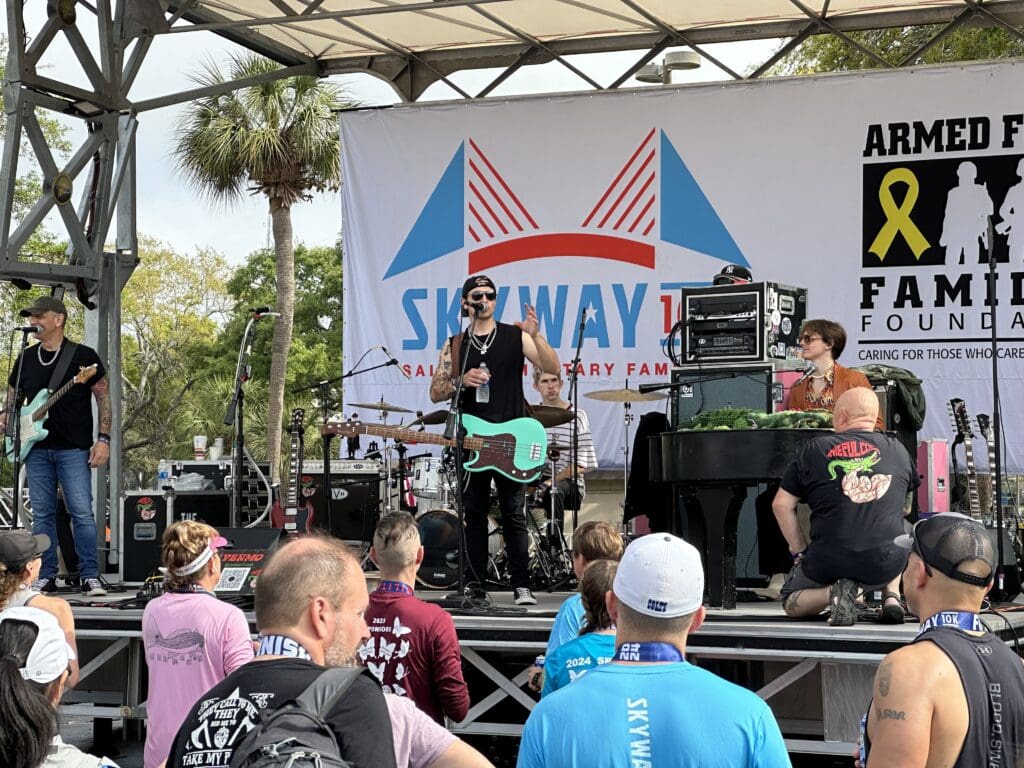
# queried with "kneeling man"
point(858, 484)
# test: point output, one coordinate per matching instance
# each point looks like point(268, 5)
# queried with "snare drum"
point(439, 533)
point(427, 477)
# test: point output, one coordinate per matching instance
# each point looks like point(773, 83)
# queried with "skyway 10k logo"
point(929, 226)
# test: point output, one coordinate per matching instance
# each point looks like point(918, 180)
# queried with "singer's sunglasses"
point(481, 295)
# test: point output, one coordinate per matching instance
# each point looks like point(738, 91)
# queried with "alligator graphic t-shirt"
point(193, 641)
point(856, 484)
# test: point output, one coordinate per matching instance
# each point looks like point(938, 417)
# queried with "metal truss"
point(410, 72)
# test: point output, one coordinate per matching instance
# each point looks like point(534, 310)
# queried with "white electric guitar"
point(33, 415)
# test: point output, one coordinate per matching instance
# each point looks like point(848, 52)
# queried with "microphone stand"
point(574, 399)
point(453, 431)
point(997, 491)
point(13, 430)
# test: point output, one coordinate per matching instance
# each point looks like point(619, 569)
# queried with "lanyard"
point(648, 652)
point(190, 589)
point(279, 645)
point(965, 620)
point(395, 586)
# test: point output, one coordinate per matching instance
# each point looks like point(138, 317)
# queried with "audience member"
point(21, 557)
point(422, 743)
point(593, 540)
point(34, 668)
point(955, 695)
point(655, 707)
point(858, 484)
point(192, 639)
point(596, 643)
point(413, 649)
point(310, 600)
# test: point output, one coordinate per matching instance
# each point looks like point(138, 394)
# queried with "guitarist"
point(494, 355)
point(68, 452)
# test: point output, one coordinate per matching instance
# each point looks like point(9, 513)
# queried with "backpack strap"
point(66, 353)
point(323, 693)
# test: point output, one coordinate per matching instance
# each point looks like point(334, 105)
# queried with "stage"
point(816, 678)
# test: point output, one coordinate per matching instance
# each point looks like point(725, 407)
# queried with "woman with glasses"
point(821, 344)
point(192, 639)
point(35, 664)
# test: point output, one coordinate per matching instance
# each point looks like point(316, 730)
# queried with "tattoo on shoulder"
point(884, 678)
point(891, 714)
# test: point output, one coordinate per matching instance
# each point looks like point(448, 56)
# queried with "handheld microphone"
point(396, 363)
point(478, 306)
point(808, 372)
point(30, 329)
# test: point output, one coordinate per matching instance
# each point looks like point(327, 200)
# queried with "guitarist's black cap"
point(19, 547)
point(952, 543)
point(477, 281)
point(45, 304)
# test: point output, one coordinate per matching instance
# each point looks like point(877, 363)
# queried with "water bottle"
point(483, 392)
point(163, 474)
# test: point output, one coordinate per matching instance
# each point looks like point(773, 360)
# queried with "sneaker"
point(841, 596)
point(523, 596)
point(45, 585)
point(93, 588)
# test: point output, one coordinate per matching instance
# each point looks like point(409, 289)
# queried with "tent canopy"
point(414, 43)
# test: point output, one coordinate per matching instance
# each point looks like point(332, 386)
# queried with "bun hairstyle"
point(182, 543)
point(28, 720)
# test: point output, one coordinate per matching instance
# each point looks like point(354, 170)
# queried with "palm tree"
point(279, 139)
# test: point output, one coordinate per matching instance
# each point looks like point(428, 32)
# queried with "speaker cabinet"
point(145, 516)
point(354, 506)
point(708, 388)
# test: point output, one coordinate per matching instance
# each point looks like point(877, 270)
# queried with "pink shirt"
point(193, 641)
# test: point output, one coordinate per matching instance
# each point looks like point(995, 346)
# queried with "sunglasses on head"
point(481, 295)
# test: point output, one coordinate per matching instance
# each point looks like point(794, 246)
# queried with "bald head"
point(300, 570)
point(856, 408)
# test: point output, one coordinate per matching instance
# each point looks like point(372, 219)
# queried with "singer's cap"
point(477, 281)
point(45, 304)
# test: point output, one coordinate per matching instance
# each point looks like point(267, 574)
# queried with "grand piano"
point(712, 473)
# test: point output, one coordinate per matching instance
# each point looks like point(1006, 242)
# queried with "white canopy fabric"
point(424, 40)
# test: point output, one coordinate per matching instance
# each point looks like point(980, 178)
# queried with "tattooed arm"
point(100, 453)
point(441, 383)
point(902, 710)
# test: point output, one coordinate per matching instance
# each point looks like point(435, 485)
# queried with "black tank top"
point(504, 360)
point(993, 680)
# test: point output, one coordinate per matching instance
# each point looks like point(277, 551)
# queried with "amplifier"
point(696, 390)
point(753, 323)
point(355, 501)
point(145, 516)
point(342, 467)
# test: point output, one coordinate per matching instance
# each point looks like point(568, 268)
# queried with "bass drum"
point(439, 533)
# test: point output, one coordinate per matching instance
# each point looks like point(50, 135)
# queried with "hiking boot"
point(843, 612)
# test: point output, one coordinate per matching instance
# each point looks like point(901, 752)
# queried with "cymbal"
point(549, 415)
point(381, 406)
point(559, 447)
point(625, 395)
point(429, 419)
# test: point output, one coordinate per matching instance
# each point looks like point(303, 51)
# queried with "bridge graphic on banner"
point(653, 199)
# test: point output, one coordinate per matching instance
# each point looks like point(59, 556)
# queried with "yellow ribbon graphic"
point(897, 217)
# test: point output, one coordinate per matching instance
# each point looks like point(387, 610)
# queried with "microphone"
point(30, 329)
point(396, 363)
point(808, 372)
point(478, 306)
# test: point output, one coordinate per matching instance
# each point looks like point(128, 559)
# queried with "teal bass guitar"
point(33, 415)
point(517, 448)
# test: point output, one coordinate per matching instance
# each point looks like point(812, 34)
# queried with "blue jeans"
point(43, 468)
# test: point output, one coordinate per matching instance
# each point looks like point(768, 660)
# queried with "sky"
point(171, 211)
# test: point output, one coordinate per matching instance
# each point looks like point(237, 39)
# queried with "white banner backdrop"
point(870, 190)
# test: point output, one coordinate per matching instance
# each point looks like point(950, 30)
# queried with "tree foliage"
point(830, 53)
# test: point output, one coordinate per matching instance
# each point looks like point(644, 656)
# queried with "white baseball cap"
point(660, 575)
point(50, 652)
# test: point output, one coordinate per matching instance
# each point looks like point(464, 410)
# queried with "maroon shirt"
point(413, 650)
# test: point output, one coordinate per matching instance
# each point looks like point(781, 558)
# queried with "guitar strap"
point(67, 352)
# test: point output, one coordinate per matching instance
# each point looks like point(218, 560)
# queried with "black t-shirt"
point(228, 711)
point(504, 360)
point(70, 420)
point(856, 484)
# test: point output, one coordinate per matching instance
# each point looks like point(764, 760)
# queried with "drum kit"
point(433, 487)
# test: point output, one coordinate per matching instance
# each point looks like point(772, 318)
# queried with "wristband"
point(797, 555)
point(539, 661)
point(103, 437)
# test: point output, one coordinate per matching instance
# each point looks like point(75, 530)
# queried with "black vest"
point(504, 360)
point(993, 680)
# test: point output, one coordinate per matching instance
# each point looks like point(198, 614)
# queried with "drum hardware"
point(627, 397)
point(429, 419)
point(551, 563)
point(439, 534)
point(383, 407)
point(549, 415)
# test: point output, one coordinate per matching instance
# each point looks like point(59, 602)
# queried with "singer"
point(492, 390)
point(68, 452)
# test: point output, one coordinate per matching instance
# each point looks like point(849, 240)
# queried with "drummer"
point(567, 495)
